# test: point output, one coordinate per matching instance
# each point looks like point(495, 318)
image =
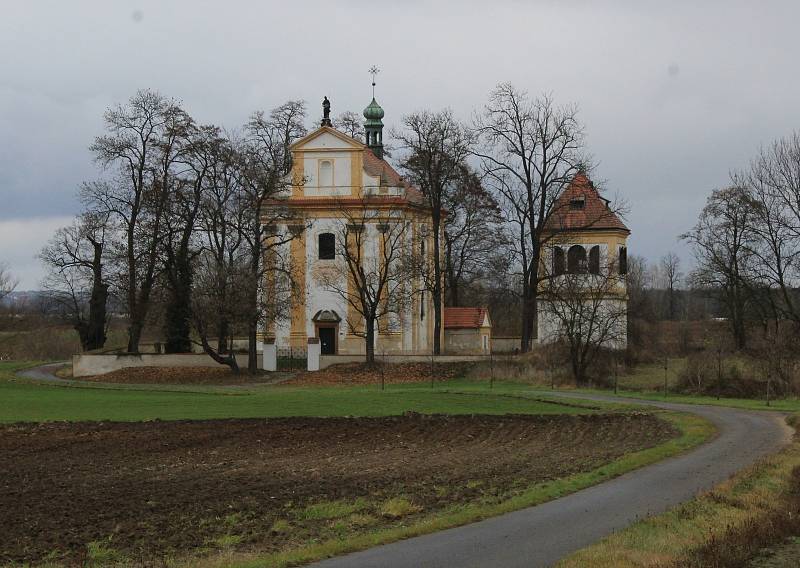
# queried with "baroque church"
point(336, 176)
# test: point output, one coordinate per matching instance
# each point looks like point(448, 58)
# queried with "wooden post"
point(616, 374)
point(666, 368)
point(719, 371)
point(491, 370)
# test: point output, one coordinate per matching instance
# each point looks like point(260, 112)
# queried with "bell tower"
point(373, 126)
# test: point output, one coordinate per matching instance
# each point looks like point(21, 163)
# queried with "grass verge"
point(693, 432)
point(724, 527)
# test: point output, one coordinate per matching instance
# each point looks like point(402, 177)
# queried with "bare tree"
point(75, 259)
point(265, 168)
point(370, 271)
point(773, 185)
point(588, 313)
point(180, 244)
point(146, 139)
point(471, 236)
point(529, 151)
point(437, 147)
point(671, 278)
point(7, 281)
point(722, 245)
point(351, 123)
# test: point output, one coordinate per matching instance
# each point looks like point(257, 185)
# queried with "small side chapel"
point(334, 173)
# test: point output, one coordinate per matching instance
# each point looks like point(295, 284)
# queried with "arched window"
point(623, 260)
point(558, 261)
point(325, 173)
point(327, 246)
point(594, 260)
point(576, 260)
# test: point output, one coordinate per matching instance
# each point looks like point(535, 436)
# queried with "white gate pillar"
point(313, 353)
point(269, 361)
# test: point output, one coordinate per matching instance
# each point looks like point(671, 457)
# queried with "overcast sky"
point(673, 94)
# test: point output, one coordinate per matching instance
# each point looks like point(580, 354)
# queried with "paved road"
point(541, 535)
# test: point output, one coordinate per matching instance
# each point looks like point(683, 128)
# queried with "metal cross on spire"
point(374, 71)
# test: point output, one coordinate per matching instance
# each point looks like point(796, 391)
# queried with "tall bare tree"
point(471, 236)
point(265, 168)
point(436, 148)
point(529, 151)
point(180, 243)
point(370, 271)
point(75, 259)
point(722, 245)
point(145, 140)
point(669, 268)
point(773, 185)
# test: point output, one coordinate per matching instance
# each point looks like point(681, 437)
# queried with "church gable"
point(327, 138)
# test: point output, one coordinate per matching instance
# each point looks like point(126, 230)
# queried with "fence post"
point(666, 368)
point(769, 378)
point(431, 369)
point(491, 370)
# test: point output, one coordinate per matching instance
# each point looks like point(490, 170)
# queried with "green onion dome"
point(373, 113)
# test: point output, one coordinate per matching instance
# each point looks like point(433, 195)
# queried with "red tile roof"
point(464, 318)
point(595, 213)
point(380, 168)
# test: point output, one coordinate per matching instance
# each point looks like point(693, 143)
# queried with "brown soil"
point(152, 488)
point(180, 376)
point(348, 374)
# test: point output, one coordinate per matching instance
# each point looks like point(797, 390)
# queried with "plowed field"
point(147, 489)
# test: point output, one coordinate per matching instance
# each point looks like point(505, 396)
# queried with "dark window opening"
point(576, 260)
point(327, 246)
point(623, 260)
point(558, 261)
point(577, 203)
point(422, 307)
point(594, 260)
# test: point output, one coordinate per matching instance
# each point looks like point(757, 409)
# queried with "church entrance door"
point(327, 339)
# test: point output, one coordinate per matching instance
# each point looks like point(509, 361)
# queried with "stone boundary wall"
point(328, 360)
point(90, 365)
point(505, 344)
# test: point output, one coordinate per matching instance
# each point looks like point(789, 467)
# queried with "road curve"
point(541, 535)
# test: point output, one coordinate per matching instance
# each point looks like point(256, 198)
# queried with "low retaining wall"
point(90, 365)
point(505, 344)
point(328, 360)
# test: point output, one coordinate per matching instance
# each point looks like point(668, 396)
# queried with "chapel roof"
point(465, 318)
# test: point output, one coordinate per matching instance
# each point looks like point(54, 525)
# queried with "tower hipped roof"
point(580, 207)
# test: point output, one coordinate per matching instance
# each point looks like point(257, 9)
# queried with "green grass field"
point(27, 401)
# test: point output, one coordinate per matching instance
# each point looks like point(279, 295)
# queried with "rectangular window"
point(327, 246)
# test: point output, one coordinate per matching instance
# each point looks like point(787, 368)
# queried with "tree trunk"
point(229, 359)
point(252, 354)
point(437, 284)
point(96, 326)
point(369, 340)
point(134, 333)
point(178, 312)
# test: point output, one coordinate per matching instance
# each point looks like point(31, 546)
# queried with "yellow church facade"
point(335, 179)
